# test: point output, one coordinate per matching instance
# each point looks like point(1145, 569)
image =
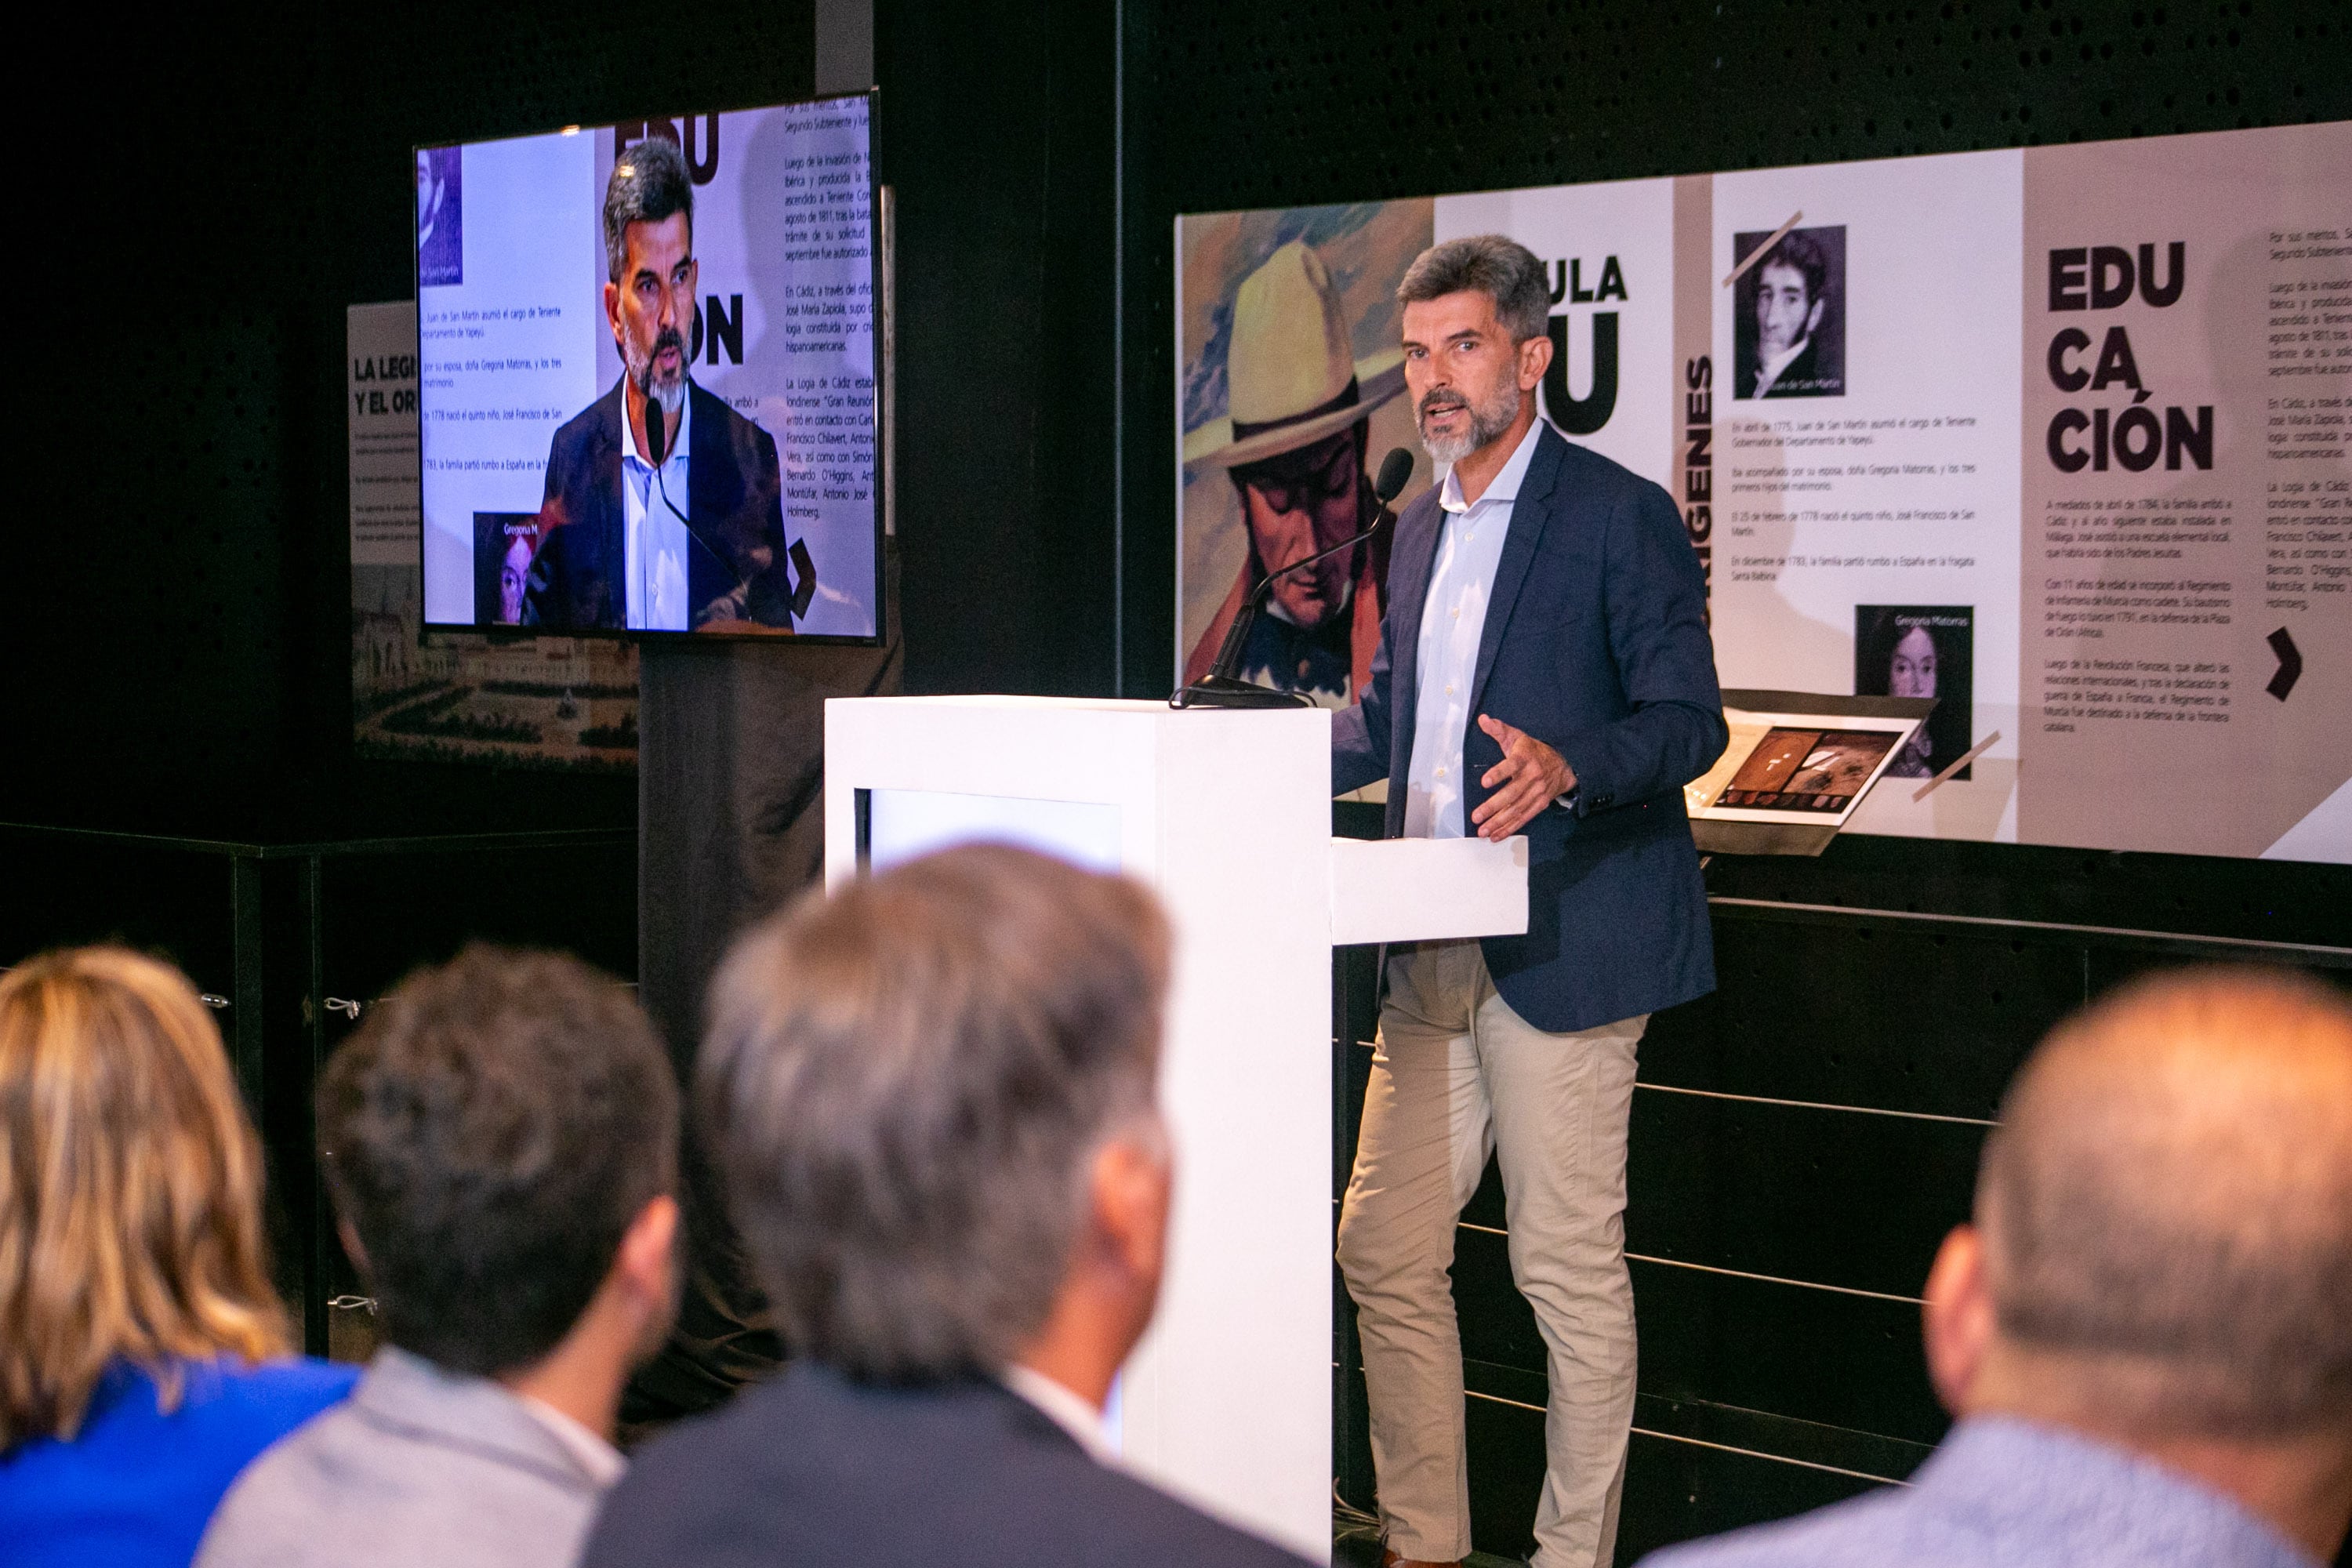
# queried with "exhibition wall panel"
point(1231, 107)
point(2126, 585)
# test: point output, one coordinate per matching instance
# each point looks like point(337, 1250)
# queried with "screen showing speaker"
point(647, 386)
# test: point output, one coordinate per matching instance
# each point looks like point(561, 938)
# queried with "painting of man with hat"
point(1279, 302)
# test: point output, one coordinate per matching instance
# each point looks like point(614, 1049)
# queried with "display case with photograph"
point(1798, 765)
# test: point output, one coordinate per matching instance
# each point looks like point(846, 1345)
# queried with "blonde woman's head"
point(131, 1182)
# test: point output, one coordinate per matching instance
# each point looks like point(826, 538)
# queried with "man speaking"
point(1544, 668)
point(664, 508)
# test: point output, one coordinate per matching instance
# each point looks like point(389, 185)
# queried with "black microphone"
point(1222, 686)
point(656, 431)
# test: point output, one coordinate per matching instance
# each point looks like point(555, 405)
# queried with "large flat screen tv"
point(648, 378)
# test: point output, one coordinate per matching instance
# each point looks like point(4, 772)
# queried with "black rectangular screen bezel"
point(427, 628)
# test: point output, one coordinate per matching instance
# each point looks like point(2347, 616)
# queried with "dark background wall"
point(996, 136)
point(177, 645)
point(175, 642)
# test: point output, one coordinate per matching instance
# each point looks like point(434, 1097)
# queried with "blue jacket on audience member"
point(1595, 644)
point(813, 1469)
point(135, 1486)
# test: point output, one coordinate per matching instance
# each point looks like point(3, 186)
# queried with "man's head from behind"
point(1476, 340)
point(501, 1141)
point(2162, 1252)
point(650, 270)
point(934, 1095)
point(1789, 294)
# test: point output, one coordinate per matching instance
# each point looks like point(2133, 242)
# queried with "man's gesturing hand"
point(1531, 776)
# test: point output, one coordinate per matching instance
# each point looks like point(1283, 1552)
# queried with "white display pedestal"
point(1227, 814)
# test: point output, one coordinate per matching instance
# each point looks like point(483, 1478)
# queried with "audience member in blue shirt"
point(2146, 1333)
point(142, 1353)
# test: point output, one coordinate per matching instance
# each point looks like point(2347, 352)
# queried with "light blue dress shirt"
point(1452, 619)
point(2005, 1493)
point(655, 542)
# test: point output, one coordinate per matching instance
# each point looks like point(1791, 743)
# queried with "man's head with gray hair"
point(2167, 1203)
point(1476, 344)
point(912, 1084)
point(1492, 264)
point(649, 300)
point(649, 184)
point(2162, 1249)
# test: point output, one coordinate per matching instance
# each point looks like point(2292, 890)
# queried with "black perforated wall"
point(179, 611)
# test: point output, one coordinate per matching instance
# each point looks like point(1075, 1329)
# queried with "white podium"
point(1227, 814)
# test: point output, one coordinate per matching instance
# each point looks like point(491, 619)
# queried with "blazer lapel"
point(1410, 565)
point(604, 443)
point(612, 512)
point(708, 464)
point(1529, 514)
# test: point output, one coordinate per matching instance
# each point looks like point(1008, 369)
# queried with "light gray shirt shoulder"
point(420, 1468)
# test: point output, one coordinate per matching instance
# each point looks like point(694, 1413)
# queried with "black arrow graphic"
point(2290, 669)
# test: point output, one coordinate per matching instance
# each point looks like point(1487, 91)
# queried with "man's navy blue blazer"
point(738, 567)
point(1596, 644)
point(813, 1469)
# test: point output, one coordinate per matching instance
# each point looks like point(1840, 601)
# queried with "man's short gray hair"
point(2167, 1205)
point(906, 1083)
point(1494, 265)
point(649, 184)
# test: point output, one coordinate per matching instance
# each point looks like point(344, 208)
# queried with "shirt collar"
point(1775, 363)
point(596, 1456)
point(1505, 488)
point(436, 1404)
point(629, 453)
point(1066, 1410)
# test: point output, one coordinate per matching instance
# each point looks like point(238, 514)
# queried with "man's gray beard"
point(1486, 424)
point(668, 399)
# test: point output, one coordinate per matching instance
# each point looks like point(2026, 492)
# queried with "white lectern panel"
point(1227, 814)
point(1426, 890)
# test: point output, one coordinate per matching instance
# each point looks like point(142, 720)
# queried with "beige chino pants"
point(1457, 1075)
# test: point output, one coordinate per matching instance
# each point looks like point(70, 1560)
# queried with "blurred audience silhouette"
point(2146, 1335)
point(142, 1350)
point(933, 1095)
point(500, 1138)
